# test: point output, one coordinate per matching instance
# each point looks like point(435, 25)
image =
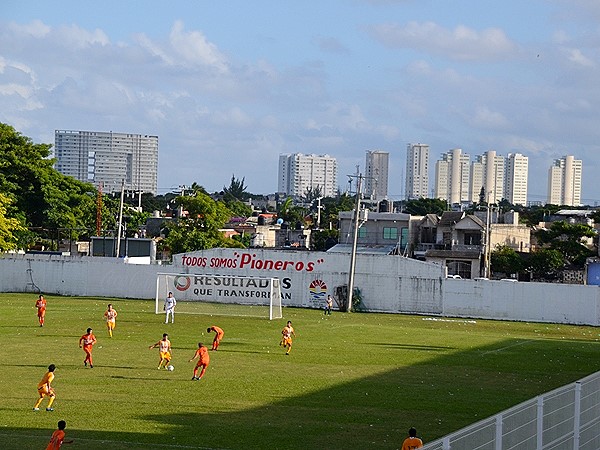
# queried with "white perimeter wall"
point(387, 283)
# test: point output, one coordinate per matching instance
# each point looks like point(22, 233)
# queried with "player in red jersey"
point(86, 342)
point(40, 304)
point(203, 361)
point(219, 333)
point(58, 437)
point(412, 442)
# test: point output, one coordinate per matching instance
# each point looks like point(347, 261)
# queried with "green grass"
point(352, 380)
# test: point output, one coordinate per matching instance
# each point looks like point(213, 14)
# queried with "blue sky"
point(228, 86)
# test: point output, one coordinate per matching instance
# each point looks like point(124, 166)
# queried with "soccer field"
point(351, 381)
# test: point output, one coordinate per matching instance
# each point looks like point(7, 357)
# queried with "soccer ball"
point(170, 368)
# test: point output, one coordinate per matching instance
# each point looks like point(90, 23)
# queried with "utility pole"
point(354, 243)
point(120, 219)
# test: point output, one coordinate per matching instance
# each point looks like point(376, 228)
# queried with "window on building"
point(461, 268)
point(390, 233)
point(362, 232)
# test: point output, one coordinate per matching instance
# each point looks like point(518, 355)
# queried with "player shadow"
point(433, 348)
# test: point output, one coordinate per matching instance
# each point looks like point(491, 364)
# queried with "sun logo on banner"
point(182, 283)
point(318, 291)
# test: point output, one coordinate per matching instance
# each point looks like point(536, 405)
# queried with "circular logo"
point(182, 283)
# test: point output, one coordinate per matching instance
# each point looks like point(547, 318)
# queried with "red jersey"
point(218, 330)
point(87, 340)
point(41, 304)
point(202, 355)
point(56, 440)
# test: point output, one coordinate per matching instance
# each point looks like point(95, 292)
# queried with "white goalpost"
point(220, 294)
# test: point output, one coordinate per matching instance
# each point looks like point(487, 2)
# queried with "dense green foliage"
point(506, 260)
point(8, 227)
point(199, 228)
point(423, 206)
point(43, 198)
point(568, 239)
point(339, 388)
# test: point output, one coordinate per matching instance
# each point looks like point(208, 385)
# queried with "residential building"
point(515, 180)
point(487, 177)
point(376, 175)
point(378, 232)
point(108, 159)
point(299, 174)
point(564, 181)
point(417, 171)
point(452, 177)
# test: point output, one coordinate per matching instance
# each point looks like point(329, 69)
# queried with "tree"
point(200, 230)
point(425, 206)
point(545, 263)
point(43, 198)
point(568, 239)
point(8, 227)
point(236, 190)
point(506, 260)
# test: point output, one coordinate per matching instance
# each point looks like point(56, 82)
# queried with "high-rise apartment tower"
point(417, 170)
point(564, 181)
point(487, 177)
point(376, 175)
point(452, 176)
point(299, 173)
point(515, 181)
point(108, 159)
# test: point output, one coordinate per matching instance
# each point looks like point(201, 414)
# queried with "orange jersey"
point(412, 443)
point(219, 331)
point(46, 379)
point(202, 355)
point(87, 340)
point(41, 304)
point(57, 440)
point(110, 315)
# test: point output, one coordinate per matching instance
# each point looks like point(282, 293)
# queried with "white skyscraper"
point(299, 173)
point(376, 175)
point(452, 176)
point(515, 181)
point(417, 171)
point(564, 181)
point(109, 159)
point(487, 172)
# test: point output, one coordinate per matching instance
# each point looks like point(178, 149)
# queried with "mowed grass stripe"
point(352, 380)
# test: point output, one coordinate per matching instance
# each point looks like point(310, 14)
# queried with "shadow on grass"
point(437, 396)
point(425, 348)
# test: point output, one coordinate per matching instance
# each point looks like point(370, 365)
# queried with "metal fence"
point(567, 418)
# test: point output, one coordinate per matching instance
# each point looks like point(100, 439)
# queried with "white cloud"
point(576, 56)
point(461, 43)
point(195, 49)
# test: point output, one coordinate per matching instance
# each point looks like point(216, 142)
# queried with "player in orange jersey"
point(58, 437)
point(110, 315)
point(164, 351)
point(40, 304)
point(218, 336)
point(45, 389)
point(86, 342)
point(286, 337)
point(203, 361)
point(412, 442)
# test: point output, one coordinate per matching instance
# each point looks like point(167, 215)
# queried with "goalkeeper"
point(170, 303)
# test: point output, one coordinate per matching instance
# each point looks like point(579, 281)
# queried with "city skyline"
point(227, 95)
